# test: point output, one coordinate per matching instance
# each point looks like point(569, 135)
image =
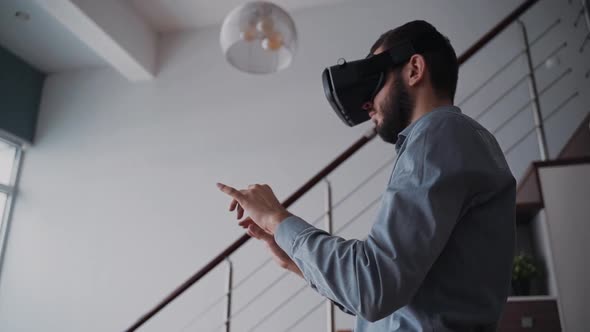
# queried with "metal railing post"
point(585, 9)
point(534, 95)
point(229, 287)
point(330, 327)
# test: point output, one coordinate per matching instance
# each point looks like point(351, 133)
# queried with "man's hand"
point(279, 256)
point(260, 203)
point(265, 212)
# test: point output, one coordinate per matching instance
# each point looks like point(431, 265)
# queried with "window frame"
point(11, 191)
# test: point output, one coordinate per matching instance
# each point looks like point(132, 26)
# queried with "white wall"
point(117, 201)
point(543, 251)
point(566, 191)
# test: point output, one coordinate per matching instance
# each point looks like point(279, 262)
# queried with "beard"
point(397, 109)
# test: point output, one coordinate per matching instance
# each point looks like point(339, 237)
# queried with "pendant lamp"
point(258, 37)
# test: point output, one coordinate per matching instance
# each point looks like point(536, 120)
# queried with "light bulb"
point(265, 25)
point(249, 34)
point(273, 42)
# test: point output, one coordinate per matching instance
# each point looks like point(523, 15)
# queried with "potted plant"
point(524, 270)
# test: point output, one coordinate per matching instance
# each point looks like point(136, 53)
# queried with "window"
point(10, 156)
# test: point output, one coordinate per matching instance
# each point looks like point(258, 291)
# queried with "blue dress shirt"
point(439, 255)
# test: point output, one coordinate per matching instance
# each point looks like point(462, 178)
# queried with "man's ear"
point(416, 69)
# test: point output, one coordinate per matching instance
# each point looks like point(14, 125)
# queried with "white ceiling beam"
point(113, 30)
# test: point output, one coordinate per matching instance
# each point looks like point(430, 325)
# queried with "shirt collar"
point(401, 137)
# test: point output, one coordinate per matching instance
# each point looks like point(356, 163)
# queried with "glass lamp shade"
point(258, 37)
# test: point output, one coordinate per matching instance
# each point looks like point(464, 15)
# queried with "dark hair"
point(441, 63)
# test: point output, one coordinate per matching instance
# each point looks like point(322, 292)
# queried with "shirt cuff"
point(287, 231)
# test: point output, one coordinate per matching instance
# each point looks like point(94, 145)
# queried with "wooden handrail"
point(484, 40)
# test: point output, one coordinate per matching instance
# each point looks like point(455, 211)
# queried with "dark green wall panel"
point(20, 96)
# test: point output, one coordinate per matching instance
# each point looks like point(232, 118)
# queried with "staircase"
point(529, 197)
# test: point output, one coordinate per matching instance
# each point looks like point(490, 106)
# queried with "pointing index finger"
point(230, 191)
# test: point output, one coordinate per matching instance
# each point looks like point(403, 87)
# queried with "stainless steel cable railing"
point(476, 47)
point(508, 63)
point(532, 130)
point(528, 103)
point(521, 80)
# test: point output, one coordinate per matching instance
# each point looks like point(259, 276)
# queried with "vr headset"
point(350, 86)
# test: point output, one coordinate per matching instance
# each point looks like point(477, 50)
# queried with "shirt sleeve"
point(425, 197)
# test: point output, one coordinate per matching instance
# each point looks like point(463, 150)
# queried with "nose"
point(367, 106)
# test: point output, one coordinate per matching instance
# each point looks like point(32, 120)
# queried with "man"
point(439, 255)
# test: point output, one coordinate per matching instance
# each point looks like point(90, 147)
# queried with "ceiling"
point(167, 15)
point(41, 40)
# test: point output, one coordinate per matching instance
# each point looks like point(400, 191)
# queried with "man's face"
point(392, 107)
